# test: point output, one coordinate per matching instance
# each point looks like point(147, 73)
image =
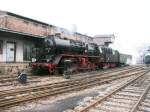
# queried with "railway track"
point(15, 96)
point(4, 79)
point(12, 78)
point(8, 80)
point(143, 104)
point(132, 96)
point(104, 71)
point(100, 75)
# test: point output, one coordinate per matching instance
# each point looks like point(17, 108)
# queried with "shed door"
point(10, 52)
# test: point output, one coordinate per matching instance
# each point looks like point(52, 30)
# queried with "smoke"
point(141, 51)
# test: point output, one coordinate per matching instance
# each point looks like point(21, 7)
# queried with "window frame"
point(1, 47)
point(27, 51)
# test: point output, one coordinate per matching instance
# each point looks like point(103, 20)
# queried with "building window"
point(43, 26)
point(35, 24)
point(26, 22)
point(27, 52)
point(1, 47)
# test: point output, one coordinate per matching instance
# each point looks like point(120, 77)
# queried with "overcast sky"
point(129, 20)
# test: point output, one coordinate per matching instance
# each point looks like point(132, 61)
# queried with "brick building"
point(23, 24)
point(16, 47)
point(84, 38)
point(104, 39)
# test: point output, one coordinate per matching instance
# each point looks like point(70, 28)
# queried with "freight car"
point(64, 56)
point(111, 57)
point(125, 59)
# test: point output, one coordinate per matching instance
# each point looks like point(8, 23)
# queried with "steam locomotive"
point(65, 56)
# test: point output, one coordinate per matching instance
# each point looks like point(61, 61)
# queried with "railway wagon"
point(111, 57)
point(63, 56)
point(124, 59)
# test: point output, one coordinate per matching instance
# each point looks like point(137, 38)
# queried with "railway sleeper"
point(111, 109)
point(132, 91)
point(144, 108)
point(147, 101)
point(136, 89)
point(124, 97)
point(128, 94)
point(147, 98)
point(116, 104)
point(145, 104)
point(96, 110)
point(123, 101)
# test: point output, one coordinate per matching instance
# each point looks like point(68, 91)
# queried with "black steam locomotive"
point(57, 55)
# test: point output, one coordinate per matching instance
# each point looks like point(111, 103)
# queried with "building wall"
point(99, 41)
point(84, 38)
point(2, 21)
point(30, 27)
point(13, 68)
point(102, 39)
point(19, 48)
point(2, 13)
point(26, 26)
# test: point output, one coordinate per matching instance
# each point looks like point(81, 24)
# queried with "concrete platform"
point(12, 68)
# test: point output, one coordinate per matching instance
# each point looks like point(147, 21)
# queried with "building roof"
point(33, 20)
point(43, 23)
point(26, 18)
point(22, 17)
point(105, 36)
point(20, 33)
point(83, 35)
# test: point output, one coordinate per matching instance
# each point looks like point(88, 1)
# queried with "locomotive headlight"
point(33, 60)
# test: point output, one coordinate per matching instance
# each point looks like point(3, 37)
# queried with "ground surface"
point(65, 101)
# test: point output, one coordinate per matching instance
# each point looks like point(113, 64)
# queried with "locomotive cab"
point(92, 49)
